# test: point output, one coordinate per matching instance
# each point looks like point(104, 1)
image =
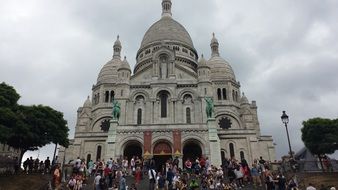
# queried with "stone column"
point(111, 140)
point(214, 142)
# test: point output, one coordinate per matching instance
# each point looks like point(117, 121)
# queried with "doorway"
point(162, 153)
point(191, 151)
point(132, 149)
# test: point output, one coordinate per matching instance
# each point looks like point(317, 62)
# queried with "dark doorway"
point(132, 149)
point(191, 151)
point(160, 161)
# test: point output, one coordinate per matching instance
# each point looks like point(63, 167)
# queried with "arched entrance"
point(161, 153)
point(191, 150)
point(132, 149)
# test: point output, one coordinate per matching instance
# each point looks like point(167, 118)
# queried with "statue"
point(210, 106)
point(116, 110)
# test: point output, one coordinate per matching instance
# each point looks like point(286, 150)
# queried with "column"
point(111, 140)
point(147, 144)
point(214, 142)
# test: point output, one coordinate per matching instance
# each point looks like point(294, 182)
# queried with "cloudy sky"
point(284, 52)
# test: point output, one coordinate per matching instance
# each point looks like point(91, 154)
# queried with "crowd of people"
point(196, 173)
point(37, 166)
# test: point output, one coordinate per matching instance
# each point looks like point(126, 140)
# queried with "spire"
point(214, 46)
point(117, 48)
point(166, 8)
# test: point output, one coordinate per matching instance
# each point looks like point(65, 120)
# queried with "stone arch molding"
point(195, 138)
point(191, 92)
point(170, 92)
point(102, 117)
point(144, 93)
point(164, 50)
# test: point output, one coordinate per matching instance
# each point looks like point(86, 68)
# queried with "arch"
point(139, 116)
point(230, 114)
point(184, 92)
point(138, 92)
point(233, 95)
point(223, 155)
point(191, 150)
point(162, 147)
point(99, 119)
point(224, 93)
point(123, 142)
point(132, 148)
point(219, 94)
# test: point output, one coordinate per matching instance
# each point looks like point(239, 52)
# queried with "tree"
point(320, 136)
point(31, 127)
point(8, 106)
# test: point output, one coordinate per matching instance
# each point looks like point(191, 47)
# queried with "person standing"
point(97, 181)
point(57, 177)
point(152, 178)
point(123, 183)
point(47, 165)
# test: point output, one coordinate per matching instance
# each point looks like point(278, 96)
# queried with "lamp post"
point(285, 120)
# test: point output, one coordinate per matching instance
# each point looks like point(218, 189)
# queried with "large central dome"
point(167, 29)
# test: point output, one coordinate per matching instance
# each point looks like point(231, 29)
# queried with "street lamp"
point(285, 120)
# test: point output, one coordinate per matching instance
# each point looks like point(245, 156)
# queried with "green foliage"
point(320, 135)
point(29, 127)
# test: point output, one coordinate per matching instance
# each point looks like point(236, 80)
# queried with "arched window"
point(139, 116)
point(106, 98)
point(224, 93)
point(164, 101)
point(121, 93)
point(112, 95)
point(236, 96)
point(98, 152)
point(219, 94)
point(205, 91)
point(188, 115)
point(241, 153)
point(222, 155)
point(232, 151)
point(98, 97)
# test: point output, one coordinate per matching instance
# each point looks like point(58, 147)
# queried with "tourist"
point(125, 165)
point(152, 178)
point(47, 165)
point(132, 165)
point(25, 165)
point(138, 175)
point(90, 167)
point(57, 177)
point(160, 181)
point(108, 175)
point(281, 181)
point(71, 183)
point(123, 183)
point(97, 181)
point(256, 176)
point(193, 184)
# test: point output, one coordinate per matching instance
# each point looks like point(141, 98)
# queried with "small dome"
point(125, 64)
point(202, 62)
point(220, 68)
point(108, 73)
point(167, 29)
point(244, 99)
point(117, 42)
point(87, 103)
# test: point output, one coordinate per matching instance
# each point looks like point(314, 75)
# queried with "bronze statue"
point(116, 110)
point(210, 106)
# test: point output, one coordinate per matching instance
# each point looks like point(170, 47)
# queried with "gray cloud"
point(283, 52)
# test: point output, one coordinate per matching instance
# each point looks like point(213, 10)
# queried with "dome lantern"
point(117, 48)
point(214, 46)
point(166, 8)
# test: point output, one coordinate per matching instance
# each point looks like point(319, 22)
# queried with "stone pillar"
point(214, 142)
point(111, 140)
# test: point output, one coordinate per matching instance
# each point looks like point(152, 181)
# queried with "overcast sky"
point(283, 52)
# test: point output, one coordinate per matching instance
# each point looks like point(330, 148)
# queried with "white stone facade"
point(163, 106)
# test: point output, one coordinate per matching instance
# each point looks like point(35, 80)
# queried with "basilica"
point(163, 104)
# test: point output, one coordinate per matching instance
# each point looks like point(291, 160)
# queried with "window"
point(242, 155)
point(98, 153)
point(98, 97)
point(233, 95)
point(219, 94)
point(106, 99)
point(236, 96)
point(89, 157)
point(163, 98)
point(121, 93)
point(224, 93)
point(188, 115)
point(232, 151)
point(139, 116)
point(205, 91)
point(112, 95)
point(223, 155)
